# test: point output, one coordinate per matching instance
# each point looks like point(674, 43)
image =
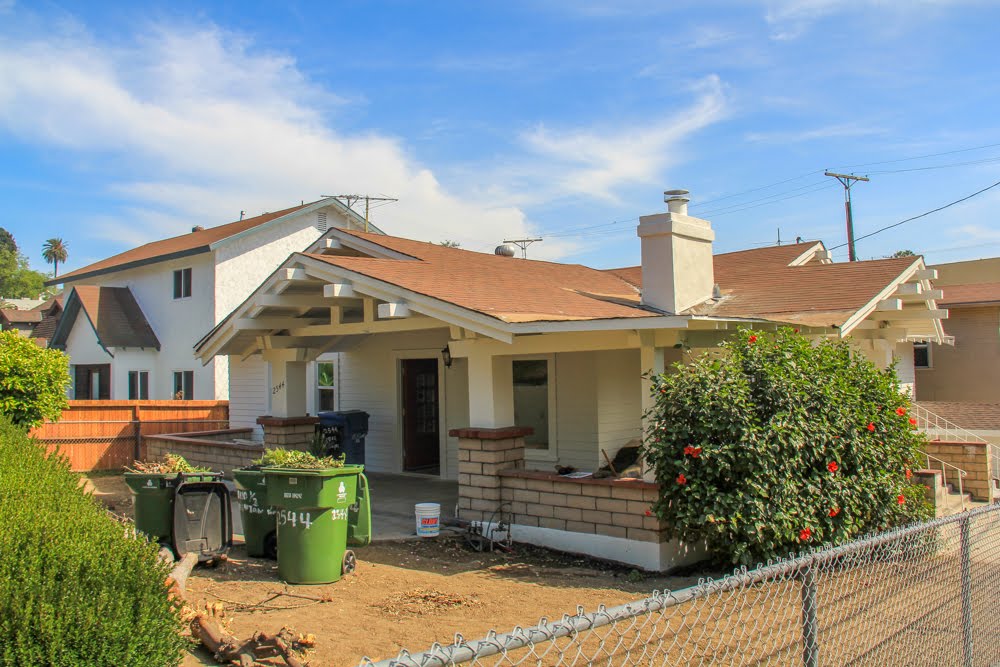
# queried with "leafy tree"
point(17, 279)
point(33, 381)
point(903, 253)
point(55, 251)
point(448, 243)
point(779, 443)
point(7, 241)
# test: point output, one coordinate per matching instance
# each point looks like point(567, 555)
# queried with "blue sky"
point(120, 124)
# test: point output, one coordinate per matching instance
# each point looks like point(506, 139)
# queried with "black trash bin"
point(344, 433)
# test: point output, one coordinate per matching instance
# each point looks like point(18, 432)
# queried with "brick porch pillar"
point(288, 432)
point(482, 454)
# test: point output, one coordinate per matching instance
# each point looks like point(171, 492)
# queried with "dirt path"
point(412, 594)
point(406, 594)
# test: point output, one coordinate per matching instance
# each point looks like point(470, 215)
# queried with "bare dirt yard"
point(406, 594)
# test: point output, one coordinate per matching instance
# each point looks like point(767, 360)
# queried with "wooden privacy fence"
point(106, 435)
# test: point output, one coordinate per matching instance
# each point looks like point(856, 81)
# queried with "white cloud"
point(595, 162)
point(196, 125)
point(789, 19)
point(826, 132)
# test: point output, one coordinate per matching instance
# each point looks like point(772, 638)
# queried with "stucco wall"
point(82, 346)
point(178, 323)
point(969, 371)
point(130, 360)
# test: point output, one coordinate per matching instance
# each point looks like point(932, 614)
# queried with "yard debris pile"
point(171, 463)
point(423, 602)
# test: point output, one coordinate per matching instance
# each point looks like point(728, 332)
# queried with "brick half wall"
point(211, 449)
point(972, 457)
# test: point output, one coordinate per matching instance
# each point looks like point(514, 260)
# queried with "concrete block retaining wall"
point(212, 449)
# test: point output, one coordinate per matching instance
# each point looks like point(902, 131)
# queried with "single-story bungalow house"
point(491, 370)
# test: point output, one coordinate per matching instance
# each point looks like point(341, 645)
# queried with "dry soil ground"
point(406, 594)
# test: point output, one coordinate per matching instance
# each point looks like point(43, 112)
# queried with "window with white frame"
point(533, 399)
point(183, 385)
point(138, 385)
point(182, 283)
point(324, 386)
point(922, 355)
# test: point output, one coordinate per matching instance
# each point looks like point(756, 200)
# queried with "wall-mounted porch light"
point(446, 356)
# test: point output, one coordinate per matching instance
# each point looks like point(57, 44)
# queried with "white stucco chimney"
point(677, 268)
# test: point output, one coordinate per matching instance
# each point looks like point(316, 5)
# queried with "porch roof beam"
point(375, 326)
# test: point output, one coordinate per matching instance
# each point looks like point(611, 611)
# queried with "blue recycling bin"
point(344, 433)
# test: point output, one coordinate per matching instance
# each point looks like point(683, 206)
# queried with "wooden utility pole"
point(350, 200)
point(847, 180)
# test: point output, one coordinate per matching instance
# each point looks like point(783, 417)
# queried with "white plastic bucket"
point(428, 519)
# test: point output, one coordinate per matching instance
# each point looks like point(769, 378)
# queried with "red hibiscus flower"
point(900, 411)
point(901, 499)
point(871, 426)
point(909, 473)
point(693, 452)
point(752, 339)
point(805, 534)
point(795, 330)
point(835, 511)
point(681, 479)
point(832, 466)
point(913, 421)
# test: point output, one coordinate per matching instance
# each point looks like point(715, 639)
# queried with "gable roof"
point(114, 314)
point(12, 315)
point(185, 245)
point(979, 294)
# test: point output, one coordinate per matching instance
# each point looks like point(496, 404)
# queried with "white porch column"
point(491, 391)
point(651, 358)
point(288, 382)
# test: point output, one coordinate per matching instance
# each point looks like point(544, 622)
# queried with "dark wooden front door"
point(92, 382)
point(421, 436)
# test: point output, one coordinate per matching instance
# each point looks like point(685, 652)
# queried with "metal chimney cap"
point(674, 193)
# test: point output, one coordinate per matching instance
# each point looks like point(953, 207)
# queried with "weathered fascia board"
point(378, 326)
point(339, 290)
point(582, 341)
point(919, 314)
point(292, 301)
point(393, 310)
point(269, 323)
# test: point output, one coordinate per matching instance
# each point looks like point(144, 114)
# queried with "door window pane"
point(531, 400)
point(324, 384)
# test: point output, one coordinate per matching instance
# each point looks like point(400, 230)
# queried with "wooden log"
point(177, 581)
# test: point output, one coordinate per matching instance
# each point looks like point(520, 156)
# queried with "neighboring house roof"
point(979, 294)
point(23, 304)
point(179, 246)
point(114, 314)
point(11, 316)
point(48, 304)
point(970, 416)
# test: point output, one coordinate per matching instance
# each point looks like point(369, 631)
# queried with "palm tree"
point(55, 251)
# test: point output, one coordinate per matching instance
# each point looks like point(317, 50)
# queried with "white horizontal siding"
point(619, 399)
point(248, 393)
point(576, 411)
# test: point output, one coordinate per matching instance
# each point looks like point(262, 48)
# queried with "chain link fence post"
point(966, 548)
point(810, 618)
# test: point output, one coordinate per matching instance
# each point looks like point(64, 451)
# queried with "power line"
point(757, 189)
point(725, 210)
point(919, 157)
point(939, 166)
point(922, 215)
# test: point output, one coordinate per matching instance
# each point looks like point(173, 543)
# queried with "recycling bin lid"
point(203, 520)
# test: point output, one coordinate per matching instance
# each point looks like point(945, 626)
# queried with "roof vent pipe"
point(505, 250)
point(676, 201)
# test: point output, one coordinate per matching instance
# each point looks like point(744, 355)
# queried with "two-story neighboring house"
point(130, 321)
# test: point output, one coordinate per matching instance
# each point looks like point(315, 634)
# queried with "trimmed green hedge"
point(76, 588)
point(778, 443)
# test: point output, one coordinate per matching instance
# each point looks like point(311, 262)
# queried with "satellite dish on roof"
point(505, 250)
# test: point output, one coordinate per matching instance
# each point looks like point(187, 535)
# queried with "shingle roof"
point(970, 416)
point(970, 295)
point(116, 316)
point(755, 283)
point(20, 316)
point(178, 246)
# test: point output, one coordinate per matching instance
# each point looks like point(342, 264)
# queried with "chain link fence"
point(928, 594)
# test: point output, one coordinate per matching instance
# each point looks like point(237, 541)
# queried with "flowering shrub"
point(781, 443)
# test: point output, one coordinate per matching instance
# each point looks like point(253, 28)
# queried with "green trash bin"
point(154, 500)
point(313, 508)
point(259, 518)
